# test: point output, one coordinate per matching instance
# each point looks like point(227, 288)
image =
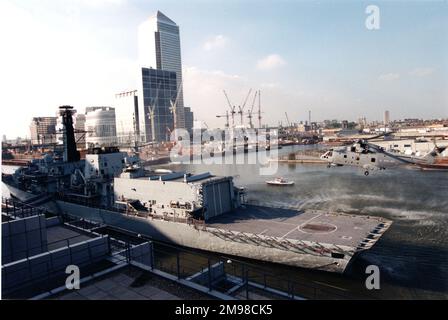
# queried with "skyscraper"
point(43, 130)
point(127, 118)
point(386, 117)
point(159, 48)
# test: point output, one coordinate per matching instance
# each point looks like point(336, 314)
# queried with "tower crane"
point(232, 108)
point(259, 109)
point(241, 108)
point(249, 115)
point(152, 109)
point(173, 107)
point(226, 116)
point(287, 120)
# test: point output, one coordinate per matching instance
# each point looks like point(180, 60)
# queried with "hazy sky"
point(303, 55)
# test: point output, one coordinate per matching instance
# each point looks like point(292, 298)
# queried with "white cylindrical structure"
point(100, 126)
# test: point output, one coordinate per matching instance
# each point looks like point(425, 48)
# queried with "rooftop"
point(131, 283)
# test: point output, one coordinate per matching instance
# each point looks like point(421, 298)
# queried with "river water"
point(413, 253)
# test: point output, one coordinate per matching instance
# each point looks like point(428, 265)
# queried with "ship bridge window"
point(373, 160)
point(353, 149)
point(345, 156)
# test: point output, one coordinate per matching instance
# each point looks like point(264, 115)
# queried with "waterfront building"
point(43, 130)
point(159, 88)
point(127, 118)
point(100, 126)
point(386, 117)
point(159, 48)
point(80, 128)
point(189, 120)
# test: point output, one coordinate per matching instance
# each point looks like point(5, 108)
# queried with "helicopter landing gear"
point(366, 173)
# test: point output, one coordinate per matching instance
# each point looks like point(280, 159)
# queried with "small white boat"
point(280, 182)
point(163, 171)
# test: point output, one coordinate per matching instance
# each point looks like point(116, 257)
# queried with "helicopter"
point(370, 157)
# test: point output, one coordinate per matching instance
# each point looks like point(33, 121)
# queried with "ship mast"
point(71, 154)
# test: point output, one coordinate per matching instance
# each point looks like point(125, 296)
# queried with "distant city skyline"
point(304, 55)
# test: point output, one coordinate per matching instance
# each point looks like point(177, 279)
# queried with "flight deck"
point(351, 232)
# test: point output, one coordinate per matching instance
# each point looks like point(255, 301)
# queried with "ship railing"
point(18, 209)
point(237, 278)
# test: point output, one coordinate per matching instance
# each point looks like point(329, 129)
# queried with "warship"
point(200, 211)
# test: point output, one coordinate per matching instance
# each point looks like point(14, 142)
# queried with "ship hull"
point(187, 235)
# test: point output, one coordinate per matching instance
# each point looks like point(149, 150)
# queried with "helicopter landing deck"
point(338, 230)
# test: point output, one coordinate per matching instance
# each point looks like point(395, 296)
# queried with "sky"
point(302, 55)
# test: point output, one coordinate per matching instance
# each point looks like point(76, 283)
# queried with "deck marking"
point(263, 231)
point(307, 221)
point(294, 229)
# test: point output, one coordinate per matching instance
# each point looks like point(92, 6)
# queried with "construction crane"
point(232, 108)
point(259, 109)
point(241, 108)
point(249, 115)
point(173, 107)
point(287, 120)
point(152, 108)
point(226, 116)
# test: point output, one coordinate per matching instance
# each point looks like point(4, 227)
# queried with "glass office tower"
point(159, 87)
point(159, 48)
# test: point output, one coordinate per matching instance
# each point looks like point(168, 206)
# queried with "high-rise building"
point(386, 117)
point(80, 128)
point(159, 88)
point(189, 121)
point(100, 126)
point(127, 118)
point(43, 130)
point(159, 48)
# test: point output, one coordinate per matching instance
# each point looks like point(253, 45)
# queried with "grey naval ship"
point(200, 211)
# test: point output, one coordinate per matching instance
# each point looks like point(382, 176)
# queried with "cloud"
point(389, 77)
point(270, 85)
point(421, 72)
point(216, 42)
point(101, 3)
point(270, 62)
point(203, 91)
